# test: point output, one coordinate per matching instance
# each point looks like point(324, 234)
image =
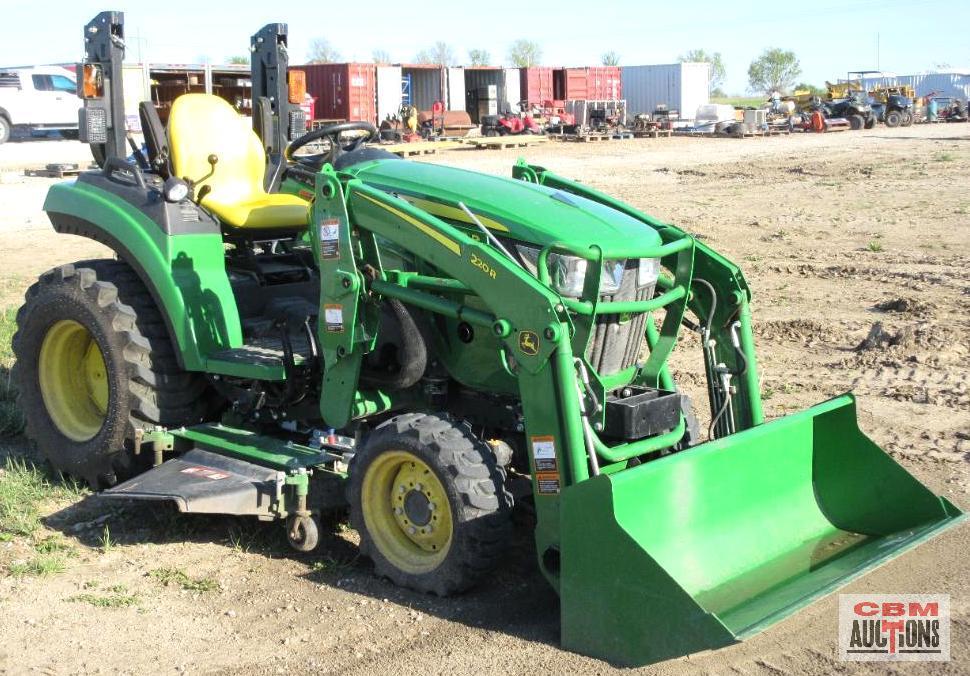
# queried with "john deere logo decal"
point(529, 343)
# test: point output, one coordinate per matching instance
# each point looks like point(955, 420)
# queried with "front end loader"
point(285, 333)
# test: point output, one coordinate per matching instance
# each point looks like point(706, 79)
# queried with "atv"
point(854, 108)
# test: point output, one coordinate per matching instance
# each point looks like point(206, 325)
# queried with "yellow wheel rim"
point(73, 380)
point(406, 511)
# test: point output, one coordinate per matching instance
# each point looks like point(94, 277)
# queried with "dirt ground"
point(837, 233)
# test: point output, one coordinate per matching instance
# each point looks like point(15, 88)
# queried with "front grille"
point(617, 339)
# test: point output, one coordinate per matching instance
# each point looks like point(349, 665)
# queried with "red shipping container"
point(535, 85)
point(604, 83)
point(343, 91)
point(575, 84)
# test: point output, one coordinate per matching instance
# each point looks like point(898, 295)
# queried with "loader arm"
point(730, 321)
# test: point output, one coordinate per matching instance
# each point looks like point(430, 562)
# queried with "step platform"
point(202, 482)
point(260, 358)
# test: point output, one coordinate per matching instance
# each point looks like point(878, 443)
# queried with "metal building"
point(950, 83)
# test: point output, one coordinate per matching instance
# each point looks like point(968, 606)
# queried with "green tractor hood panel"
point(520, 210)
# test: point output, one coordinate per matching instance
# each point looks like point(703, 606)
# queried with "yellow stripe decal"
point(454, 213)
point(426, 229)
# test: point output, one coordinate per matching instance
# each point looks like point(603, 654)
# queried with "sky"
point(829, 37)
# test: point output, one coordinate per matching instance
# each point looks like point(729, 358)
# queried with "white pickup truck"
point(42, 97)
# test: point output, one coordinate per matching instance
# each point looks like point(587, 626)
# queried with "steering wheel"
point(333, 132)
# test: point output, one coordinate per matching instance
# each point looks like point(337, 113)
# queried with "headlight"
point(568, 273)
point(648, 272)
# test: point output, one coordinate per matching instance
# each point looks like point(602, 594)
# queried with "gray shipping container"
point(680, 86)
point(465, 85)
point(427, 85)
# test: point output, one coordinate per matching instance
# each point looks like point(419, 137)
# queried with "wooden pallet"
point(502, 142)
point(55, 171)
point(418, 148)
point(585, 138)
point(653, 133)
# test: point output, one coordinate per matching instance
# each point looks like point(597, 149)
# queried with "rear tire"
point(907, 119)
point(4, 129)
point(82, 411)
point(893, 118)
point(429, 501)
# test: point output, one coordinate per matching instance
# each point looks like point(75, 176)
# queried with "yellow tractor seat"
point(201, 125)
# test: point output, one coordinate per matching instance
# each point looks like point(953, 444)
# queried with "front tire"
point(429, 501)
point(4, 129)
point(857, 122)
point(893, 118)
point(94, 363)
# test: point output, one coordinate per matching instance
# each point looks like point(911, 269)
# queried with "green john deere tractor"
point(284, 333)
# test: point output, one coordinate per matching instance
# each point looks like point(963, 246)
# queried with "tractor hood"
point(516, 209)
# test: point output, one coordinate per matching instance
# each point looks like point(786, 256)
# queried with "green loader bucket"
point(707, 547)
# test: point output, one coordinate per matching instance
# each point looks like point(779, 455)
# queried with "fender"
point(185, 273)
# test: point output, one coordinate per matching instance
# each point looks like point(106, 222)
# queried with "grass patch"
point(23, 486)
point(874, 246)
point(42, 565)
point(944, 157)
point(740, 101)
point(106, 543)
point(116, 599)
point(11, 419)
point(328, 564)
point(175, 577)
point(54, 545)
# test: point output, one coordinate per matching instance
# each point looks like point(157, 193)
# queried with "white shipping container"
point(679, 86)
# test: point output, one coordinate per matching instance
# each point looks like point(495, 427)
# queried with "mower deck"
point(203, 482)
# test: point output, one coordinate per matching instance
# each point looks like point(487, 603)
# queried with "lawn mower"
point(285, 333)
point(509, 124)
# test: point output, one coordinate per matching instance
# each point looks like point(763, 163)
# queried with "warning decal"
point(205, 472)
point(544, 454)
point(330, 238)
point(547, 482)
point(333, 316)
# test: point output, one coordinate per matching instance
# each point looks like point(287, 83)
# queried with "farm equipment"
point(284, 334)
point(403, 127)
point(509, 124)
point(945, 109)
point(556, 119)
point(894, 106)
point(845, 107)
point(853, 107)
